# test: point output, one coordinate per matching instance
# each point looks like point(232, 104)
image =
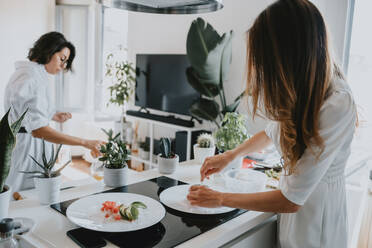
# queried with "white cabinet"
point(150, 125)
point(262, 236)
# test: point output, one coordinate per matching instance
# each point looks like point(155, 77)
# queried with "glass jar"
point(6, 234)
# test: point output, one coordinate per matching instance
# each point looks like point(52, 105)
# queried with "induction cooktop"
point(175, 228)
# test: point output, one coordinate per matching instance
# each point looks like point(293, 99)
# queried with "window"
point(359, 71)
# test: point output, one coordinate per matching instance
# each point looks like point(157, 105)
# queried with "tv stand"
point(167, 119)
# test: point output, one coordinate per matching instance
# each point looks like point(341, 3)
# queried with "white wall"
point(153, 33)
point(21, 23)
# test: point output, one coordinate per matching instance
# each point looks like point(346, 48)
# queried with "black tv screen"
point(162, 83)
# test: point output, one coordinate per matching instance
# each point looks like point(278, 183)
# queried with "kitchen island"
point(250, 228)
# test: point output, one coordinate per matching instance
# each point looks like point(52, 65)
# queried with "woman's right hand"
point(215, 164)
point(94, 146)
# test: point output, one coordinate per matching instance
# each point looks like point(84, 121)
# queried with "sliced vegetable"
point(139, 205)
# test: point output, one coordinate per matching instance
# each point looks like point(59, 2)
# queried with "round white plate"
point(175, 198)
point(86, 212)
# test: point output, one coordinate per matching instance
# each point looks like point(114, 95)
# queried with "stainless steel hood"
point(204, 7)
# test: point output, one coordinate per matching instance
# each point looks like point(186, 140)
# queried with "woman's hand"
point(204, 197)
point(61, 117)
point(94, 146)
point(215, 164)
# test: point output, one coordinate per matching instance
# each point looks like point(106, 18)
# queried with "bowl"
point(245, 181)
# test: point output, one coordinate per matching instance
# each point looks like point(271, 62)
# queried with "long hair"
point(289, 74)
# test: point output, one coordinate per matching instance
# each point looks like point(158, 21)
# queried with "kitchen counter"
point(51, 226)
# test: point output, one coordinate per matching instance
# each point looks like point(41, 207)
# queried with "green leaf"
point(232, 107)
point(7, 143)
point(57, 172)
point(206, 49)
point(205, 109)
point(226, 57)
point(210, 90)
point(18, 123)
point(165, 147)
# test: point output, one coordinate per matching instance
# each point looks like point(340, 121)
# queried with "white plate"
point(86, 212)
point(175, 198)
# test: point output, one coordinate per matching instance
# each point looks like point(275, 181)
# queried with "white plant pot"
point(115, 177)
point(144, 154)
point(167, 165)
point(4, 201)
point(200, 153)
point(48, 189)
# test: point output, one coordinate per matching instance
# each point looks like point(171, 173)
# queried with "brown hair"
point(49, 44)
point(289, 73)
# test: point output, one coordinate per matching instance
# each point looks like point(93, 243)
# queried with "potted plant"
point(209, 55)
point(47, 181)
point(7, 143)
point(122, 74)
point(115, 155)
point(167, 160)
point(204, 147)
point(232, 133)
point(144, 150)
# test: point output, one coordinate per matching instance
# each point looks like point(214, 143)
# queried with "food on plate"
point(118, 212)
point(273, 174)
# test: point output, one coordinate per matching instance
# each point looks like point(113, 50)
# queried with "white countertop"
point(51, 226)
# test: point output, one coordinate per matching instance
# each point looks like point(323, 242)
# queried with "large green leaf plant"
point(210, 57)
point(7, 143)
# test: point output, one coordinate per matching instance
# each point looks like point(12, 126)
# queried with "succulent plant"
point(115, 152)
point(205, 140)
point(47, 165)
point(166, 148)
point(7, 143)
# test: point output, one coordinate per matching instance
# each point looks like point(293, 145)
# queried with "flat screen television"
point(162, 83)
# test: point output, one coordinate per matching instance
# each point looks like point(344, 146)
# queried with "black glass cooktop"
point(175, 228)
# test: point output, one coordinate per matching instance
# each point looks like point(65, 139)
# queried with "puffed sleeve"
point(29, 96)
point(337, 125)
point(269, 130)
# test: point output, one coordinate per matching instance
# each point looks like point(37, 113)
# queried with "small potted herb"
point(167, 160)
point(7, 143)
point(144, 150)
point(232, 133)
point(47, 181)
point(204, 147)
point(115, 155)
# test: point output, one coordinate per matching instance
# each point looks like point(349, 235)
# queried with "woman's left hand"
point(61, 117)
point(204, 197)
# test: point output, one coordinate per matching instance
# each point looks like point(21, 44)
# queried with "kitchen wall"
point(21, 23)
point(152, 33)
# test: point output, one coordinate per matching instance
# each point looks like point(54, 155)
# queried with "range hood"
point(165, 6)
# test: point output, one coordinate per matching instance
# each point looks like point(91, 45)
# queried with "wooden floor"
point(80, 164)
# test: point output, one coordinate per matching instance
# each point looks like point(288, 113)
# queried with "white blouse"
point(28, 88)
point(319, 184)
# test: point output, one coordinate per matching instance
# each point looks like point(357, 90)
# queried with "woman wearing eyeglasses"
point(29, 88)
point(293, 80)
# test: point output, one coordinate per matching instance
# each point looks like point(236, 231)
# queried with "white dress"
point(29, 88)
point(319, 185)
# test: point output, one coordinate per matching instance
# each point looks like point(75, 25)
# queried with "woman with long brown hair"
point(294, 82)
